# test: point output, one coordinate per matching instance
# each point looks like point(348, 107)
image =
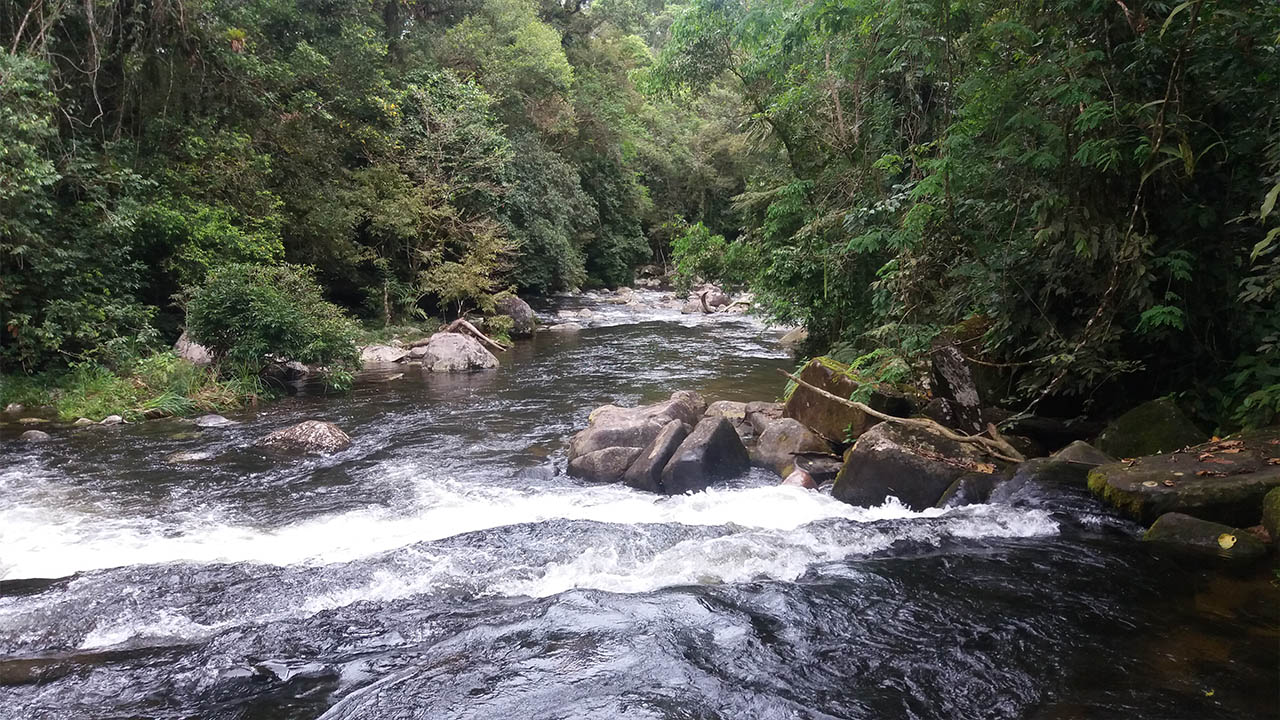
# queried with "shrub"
point(248, 314)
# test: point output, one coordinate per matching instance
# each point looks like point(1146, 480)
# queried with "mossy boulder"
point(1153, 427)
point(837, 422)
point(1224, 481)
point(1201, 536)
point(1271, 514)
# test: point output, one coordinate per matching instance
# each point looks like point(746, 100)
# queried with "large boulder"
point(909, 463)
point(381, 354)
point(1201, 536)
point(760, 414)
point(455, 352)
point(311, 436)
point(607, 465)
point(1152, 427)
point(953, 381)
point(777, 446)
point(1223, 481)
point(522, 317)
point(646, 472)
point(736, 414)
point(612, 426)
point(794, 338)
point(835, 421)
point(191, 351)
point(1271, 514)
point(713, 451)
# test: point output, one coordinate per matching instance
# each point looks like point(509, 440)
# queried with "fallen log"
point(462, 327)
point(995, 446)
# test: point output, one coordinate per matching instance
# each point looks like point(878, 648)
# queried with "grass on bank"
point(158, 384)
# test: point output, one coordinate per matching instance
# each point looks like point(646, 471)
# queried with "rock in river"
point(911, 464)
point(1194, 534)
point(1223, 481)
point(455, 352)
point(712, 451)
point(607, 465)
point(646, 472)
point(613, 426)
point(212, 421)
point(311, 436)
point(522, 317)
point(777, 446)
point(34, 436)
point(376, 354)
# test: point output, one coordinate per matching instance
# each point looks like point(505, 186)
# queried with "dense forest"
point(1079, 192)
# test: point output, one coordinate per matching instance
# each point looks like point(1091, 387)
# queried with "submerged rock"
point(191, 351)
point(455, 352)
point(713, 451)
point(565, 327)
point(1223, 481)
point(645, 472)
point(311, 436)
point(1153, 427)
point(522, 317)
point(373, 354)
point(1191, 533)
point(911, 464)
point(188, 456)
point(777, 446)
point(111, 420)
point(212, 421)
point(35, 436)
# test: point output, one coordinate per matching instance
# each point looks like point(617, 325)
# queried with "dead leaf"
point(1273, 461)
point(1226, 541)
point(1210, 473)
point(985, 467)
point(1169, 483)
point(1232, 451)
point(1205, 456)
point(1150, 483)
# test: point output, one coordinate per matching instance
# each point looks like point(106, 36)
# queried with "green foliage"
point(249, 314)
point(699, 254)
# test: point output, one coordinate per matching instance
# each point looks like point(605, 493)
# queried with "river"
point(443, 566)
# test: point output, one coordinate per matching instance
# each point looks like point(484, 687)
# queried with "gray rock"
point(613, 426)
point(81, 422)
point(736, 414)
point(111, 420)
point(1082, 453)
point(417, 352)
point(1201, 536)
point(525, 322)
point(760, 414)
point(1152, 427)
point(373, 354)
point(191, 351)
point(32, 421)
point(35, 436)
point(835, 421)
point(713, 451)
point(212, 421)
point(645, 472)
point(954, 381)
point(14, 408)
point(692, 307)
point(911, 464)
point(565, 327)
point(607, 465)
point(794, 338)
point(455, 352)
point(311, 436)
point(777, 446)
point(800, 478)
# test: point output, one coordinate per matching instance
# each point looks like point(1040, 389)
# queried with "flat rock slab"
point(1223, 481)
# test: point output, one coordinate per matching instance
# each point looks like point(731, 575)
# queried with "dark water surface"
point(444, 567)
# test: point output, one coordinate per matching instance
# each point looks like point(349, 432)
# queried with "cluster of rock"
point(708, 298)
point(442, 352)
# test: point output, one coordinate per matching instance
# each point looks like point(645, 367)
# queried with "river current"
point(444, 566)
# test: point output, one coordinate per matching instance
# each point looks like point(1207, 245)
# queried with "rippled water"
point(444, 567)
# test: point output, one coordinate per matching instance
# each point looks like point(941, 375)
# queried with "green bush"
point(249, 314)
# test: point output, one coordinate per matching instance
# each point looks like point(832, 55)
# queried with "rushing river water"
point(444, 567)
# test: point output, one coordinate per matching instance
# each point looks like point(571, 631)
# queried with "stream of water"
point(444, 566)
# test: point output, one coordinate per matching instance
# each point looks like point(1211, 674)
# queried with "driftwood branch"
point(995, 446)
point(465, 328)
